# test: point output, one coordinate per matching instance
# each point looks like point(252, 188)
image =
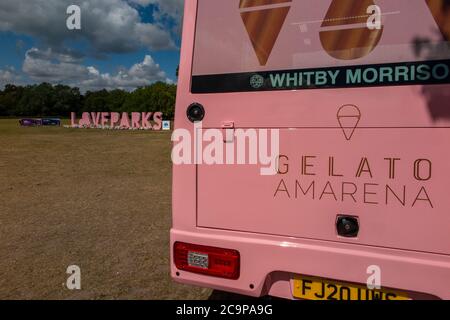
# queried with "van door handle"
point(228, 131)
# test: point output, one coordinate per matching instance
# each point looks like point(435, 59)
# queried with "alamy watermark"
point(74, 280)
point(73, 22)
point(374, 279)
point(227, 146)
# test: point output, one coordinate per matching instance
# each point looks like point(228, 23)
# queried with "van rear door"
point(358, 93)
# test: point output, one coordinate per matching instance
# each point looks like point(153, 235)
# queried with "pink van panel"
point(390, 168)
point(395, 207)
point(269, 264)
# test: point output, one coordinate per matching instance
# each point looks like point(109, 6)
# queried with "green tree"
point(67, 100)
point(159, 96)
point(36, 100)
point(47, 100)
point(96, 101)
point(116, 99)
point(9, 99)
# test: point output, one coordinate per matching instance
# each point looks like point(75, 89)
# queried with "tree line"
point(47, 100)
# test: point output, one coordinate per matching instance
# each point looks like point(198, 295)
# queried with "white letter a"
point(74, 20)
point(374, 279)
point(374, 21)
point(74, 280)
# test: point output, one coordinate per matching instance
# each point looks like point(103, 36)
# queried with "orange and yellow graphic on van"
point(345, 42)
point(440, 9)
point(344, 35)
point(263, 24)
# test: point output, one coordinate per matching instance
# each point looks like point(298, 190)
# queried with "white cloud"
point(172, 8)
point(139, 75)
point(109, 26)
point(8, 76)
point(48, 66)
point(53, 67)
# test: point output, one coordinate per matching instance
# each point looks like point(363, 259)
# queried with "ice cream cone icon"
point(349, 117)
point(263, 24)
point(441, 13)
point(348, 43)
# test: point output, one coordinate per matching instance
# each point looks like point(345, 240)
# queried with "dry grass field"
point(97, 199)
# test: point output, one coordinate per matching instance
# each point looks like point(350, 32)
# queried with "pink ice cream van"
point(312, 149)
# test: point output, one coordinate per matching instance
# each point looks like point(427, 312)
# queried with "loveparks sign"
point(118, 121)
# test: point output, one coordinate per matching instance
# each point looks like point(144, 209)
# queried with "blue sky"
point(121, 44)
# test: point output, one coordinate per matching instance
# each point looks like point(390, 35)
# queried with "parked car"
point(51, 122)
point(30, 122)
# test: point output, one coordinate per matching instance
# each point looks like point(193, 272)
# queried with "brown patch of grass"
point(97, 199)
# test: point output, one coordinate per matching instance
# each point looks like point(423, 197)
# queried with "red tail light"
point(211, 261)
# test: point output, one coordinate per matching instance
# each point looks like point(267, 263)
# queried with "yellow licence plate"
point(310, 288)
